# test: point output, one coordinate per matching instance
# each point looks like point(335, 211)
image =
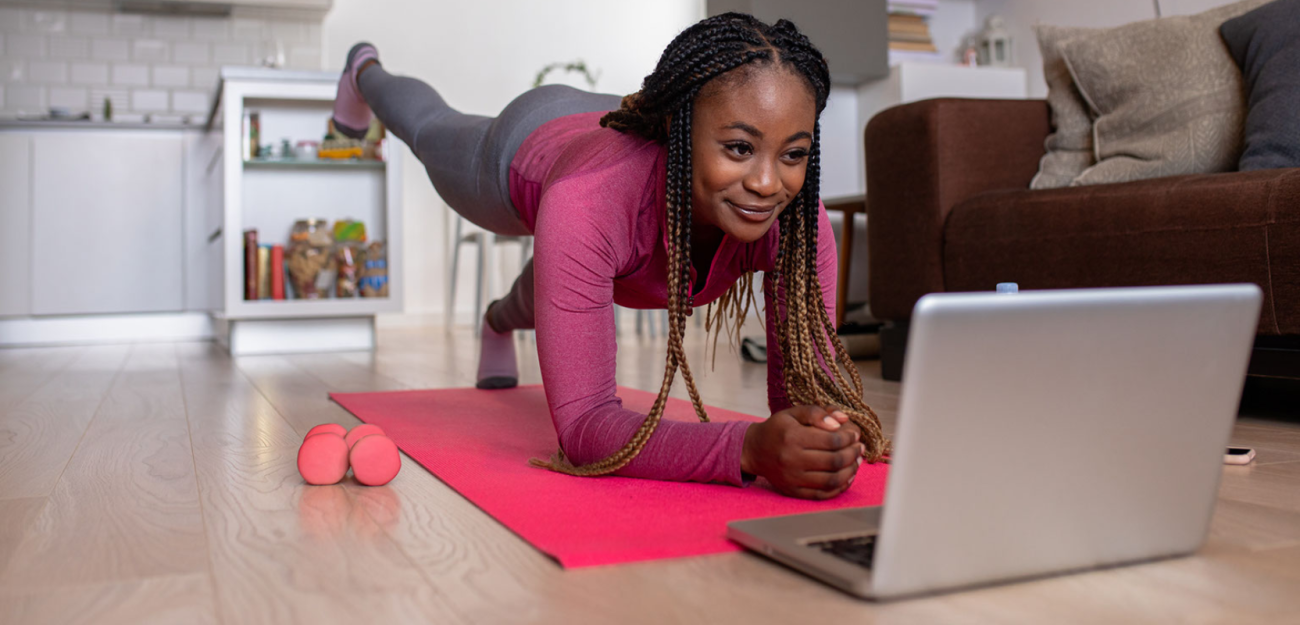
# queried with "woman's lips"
point(755, 214)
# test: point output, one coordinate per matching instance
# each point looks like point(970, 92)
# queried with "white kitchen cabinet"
point(15, 224)
point(106, 223)
point(203, 219)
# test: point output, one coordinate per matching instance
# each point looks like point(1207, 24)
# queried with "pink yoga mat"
point(479, 443)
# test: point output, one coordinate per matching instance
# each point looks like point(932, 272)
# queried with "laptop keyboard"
point(858, 550)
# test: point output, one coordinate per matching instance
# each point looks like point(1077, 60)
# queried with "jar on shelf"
point(310, 258)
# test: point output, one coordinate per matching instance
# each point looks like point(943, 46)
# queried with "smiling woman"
point(670, 198)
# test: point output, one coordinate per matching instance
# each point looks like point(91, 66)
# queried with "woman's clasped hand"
point(805, 451)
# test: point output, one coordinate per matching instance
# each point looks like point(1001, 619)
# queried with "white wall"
point(480, 55)
point(949, 27)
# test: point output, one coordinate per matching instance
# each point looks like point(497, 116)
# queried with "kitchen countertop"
point(81, 124)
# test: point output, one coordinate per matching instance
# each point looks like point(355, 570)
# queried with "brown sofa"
point(949, 209)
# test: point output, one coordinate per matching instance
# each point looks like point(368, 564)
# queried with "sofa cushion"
point(1069, 147)
point(1166, 95)
point(1208, 228)
point(1265, 43)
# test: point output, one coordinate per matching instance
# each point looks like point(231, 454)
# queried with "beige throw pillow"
point(1166, 96)
point(1069, 147)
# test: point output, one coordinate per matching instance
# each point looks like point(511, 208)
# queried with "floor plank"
point(39, 433)
point(283, 551)
point(161, 600)
point(16, 516)
point(127, 505)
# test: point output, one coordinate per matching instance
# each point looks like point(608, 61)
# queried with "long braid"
point(661, 111)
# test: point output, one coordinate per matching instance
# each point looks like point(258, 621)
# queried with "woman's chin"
point(748, 232)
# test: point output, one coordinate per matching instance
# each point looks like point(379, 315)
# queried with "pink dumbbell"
point(323, 458)
point(374, 460)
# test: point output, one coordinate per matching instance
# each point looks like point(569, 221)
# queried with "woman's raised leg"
point(468, 160)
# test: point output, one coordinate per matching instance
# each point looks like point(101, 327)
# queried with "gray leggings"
point(468, 157)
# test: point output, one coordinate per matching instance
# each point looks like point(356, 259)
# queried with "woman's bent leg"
point(515, 310)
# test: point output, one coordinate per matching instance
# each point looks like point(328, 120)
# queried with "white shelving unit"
point(271, 196)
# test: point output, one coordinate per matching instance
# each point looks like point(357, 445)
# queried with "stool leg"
point(455, 267)
point(478, 284)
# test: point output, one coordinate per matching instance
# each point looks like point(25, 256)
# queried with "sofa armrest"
point(922, 159)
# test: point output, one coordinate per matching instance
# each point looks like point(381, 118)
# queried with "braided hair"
point(661, 111)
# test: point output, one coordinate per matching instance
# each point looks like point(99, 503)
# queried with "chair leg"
point(455, 267)
point(479, 277)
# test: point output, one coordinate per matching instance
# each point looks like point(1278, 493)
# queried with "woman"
point(670, 198)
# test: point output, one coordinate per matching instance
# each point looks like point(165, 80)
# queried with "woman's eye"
point(741, 149)
point(796, 155)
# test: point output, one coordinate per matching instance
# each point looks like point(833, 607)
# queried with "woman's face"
point(750, 138)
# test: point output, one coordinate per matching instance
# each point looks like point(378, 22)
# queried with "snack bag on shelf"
point(349, 239)
point(374, 273)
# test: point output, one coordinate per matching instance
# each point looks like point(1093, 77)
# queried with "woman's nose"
point(762, 180)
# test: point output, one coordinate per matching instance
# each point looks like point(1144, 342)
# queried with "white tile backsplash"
point(29, 46)
point(162, 66)
point(76, 99)
point(171, 76)
point(204, 77)
point(288, 32)
point(89, 73)
point(149, 100)
point(110, 50)
point(149, 50)
point(191, 53)
point(48, 72)
point(25, 98)
point(190, 101)
point(63, 47)
point(171, 27)
point(230, 54)
point(11, 20)
point(211, 29)
point(88, 23)
point(127, 24)
point(48, 22)
point(130, 75)
point(244, 29)
point(13, 70)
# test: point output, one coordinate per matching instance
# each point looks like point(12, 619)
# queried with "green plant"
point(578, 66)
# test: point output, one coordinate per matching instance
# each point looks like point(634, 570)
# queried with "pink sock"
point(496, 361)
point(351, 113)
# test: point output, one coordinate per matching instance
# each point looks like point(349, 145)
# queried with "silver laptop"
point(1039, 433)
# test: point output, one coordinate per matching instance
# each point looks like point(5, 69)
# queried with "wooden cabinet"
point(106, 222)
point(15, 224)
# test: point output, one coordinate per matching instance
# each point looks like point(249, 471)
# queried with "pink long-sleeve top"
point(594, 200)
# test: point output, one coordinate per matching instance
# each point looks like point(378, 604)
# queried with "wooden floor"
point(156, 483)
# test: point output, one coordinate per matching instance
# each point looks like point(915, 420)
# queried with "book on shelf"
point(909, 32)
point(910, 46)
point(263, 271)
point(250, 264)
point(911, 38)
point(277, 272)
point(907, 20)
